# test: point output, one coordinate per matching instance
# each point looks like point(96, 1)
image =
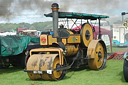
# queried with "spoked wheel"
point(44, 62)
point(97, 54)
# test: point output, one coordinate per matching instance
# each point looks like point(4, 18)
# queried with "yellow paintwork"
point(43, 36)
point(69, 31)
point(71, 50)
point(33, 76)
point(49, 61)
point(43, 62)
point(64, 40)
point(39, 62)
point(83, 32)
point(51, 40)
point(74, 39)
point(56, 74)
point(94, 47)
point(99, 61)
point(59, 50)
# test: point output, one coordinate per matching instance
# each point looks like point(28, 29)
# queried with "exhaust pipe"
point(55, 8)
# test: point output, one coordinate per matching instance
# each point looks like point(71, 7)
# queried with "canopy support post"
point(99, 37)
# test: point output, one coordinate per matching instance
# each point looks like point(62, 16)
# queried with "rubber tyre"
point(125, 70)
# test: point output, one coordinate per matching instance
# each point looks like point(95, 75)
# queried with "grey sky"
point(16, 11)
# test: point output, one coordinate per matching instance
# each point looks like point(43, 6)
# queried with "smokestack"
point(55, 8)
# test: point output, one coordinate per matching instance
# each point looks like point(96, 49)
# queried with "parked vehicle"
point(125, 66)
point(13, 49)
point(67, 48)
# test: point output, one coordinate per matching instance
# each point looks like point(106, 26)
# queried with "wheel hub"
point(58, 66)
point(87, 35)
point(99, 55)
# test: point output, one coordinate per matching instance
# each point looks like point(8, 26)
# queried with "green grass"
point(111, 75)
point(114, 49)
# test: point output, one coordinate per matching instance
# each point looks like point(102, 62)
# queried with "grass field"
point(111, 75)
point(114, 49)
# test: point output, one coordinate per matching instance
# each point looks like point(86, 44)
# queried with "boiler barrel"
point(71, 50)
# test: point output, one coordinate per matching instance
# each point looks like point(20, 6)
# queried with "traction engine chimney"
point(55, 8)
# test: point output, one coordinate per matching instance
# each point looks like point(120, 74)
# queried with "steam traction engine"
point(66, 48)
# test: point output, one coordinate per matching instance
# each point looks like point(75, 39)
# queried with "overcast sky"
point(29, 11)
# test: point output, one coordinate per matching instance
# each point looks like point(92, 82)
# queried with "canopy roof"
point(75, 15)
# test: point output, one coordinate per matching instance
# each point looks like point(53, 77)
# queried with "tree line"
point(11, 27)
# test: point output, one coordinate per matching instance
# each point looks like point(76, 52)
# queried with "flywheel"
point(97, 54)
point(86, 34)
point(44, 63)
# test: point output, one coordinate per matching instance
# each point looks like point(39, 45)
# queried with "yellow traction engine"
point(66, 49)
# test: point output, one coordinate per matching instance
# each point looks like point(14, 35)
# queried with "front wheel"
point(125, 70)
point(44, 62)
point(57, 75)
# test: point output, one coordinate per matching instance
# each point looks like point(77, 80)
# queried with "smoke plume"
point(11, 8)
point(4, 8)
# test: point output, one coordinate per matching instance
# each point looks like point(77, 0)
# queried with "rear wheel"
point(98, 55)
